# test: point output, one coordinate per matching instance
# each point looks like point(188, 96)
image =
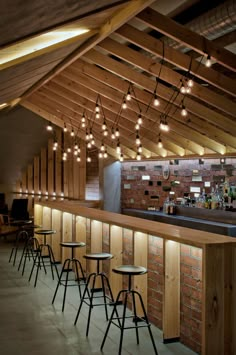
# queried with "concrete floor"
point(31, 325)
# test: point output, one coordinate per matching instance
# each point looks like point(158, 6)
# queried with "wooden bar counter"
point(189, 290)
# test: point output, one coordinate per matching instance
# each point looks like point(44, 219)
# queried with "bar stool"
point(69, 265)
point(39, 258)
point(31, 246)
point(22, 233)
point(89, 299)
point(139, 322)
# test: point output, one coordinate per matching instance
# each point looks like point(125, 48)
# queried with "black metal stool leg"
point(66, 284)
point(59, 281)
point(135, 316)
point(123, 323)
point(91, 304)
point(146, 318)
point(75, 264)
point(110, 321)
point(52, 261)
point(86, 290)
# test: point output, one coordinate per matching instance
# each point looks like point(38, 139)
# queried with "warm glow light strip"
point(40, 42)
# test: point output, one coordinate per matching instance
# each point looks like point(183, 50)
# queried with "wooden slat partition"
point(43, 170)
point(50, 167)
point(36, 174)
point(217, 262)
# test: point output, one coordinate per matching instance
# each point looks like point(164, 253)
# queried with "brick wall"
point(191, 296)
point(138, 193)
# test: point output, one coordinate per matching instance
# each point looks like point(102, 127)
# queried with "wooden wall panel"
point(116, 249)
point(58, 165)
point(67, 233)
point(36, 174)
point(43, 170)
point(50, 167)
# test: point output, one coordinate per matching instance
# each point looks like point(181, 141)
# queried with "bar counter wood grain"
point(218, 252)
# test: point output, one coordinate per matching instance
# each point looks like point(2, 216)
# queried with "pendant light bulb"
point(89, 159)
point(140, 120)
point(138, 156)
point(65, 128)
point(121, 158)
point(128, 96)
point(160, 144)
point(156, 101)
point(190, 83)
point(184, 112)
point(124, 105)
point(49, 127)
point(208, 61)
point(117, 133)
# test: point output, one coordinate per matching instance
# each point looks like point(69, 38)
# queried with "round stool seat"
point(98, 256)
point(130, 270)
point(45, 231)
point(72, 244)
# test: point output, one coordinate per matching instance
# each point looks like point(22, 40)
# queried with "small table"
point(39, 258)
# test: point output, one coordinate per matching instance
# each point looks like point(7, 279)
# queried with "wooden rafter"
point(146, 83)
point(191, 39)
point(175, 57)
point(119, 18)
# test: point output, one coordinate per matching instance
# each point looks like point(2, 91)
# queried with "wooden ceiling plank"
point(51, 48)
point(191, 39)
point(118, 19)
point(168, 75)
point(175, 57)
point(140, 80)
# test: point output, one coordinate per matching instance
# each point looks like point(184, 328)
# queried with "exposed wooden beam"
point(191, 39)
point(70, 101)
point(127, 119)
point(166, 74)
point(125, 72)
point(41, 111)
point(119, 18)
point(36, 53)
point(142, 96)
point(74, 112)
point(177, 58)
point(73, 80)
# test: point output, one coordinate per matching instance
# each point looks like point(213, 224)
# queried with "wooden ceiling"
point(126, 50)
